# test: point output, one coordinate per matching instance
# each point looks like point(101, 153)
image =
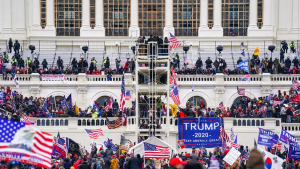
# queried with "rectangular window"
point(92, 13)
point(43, 6)
point(67, 17)
point(186, 19)
point(117, 13)
point(235, 17)
point(260, 4)
point(152, 13)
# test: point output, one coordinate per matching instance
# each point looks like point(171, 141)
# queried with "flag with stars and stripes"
point(26, 120)
point(122, 100)
point(174, 42)
point(174, 90)
point(24, 143)
point(295, 85)
point(221, 106)
point(113, 124)
point(155, 151)
point(94, 133)
point(240, 91)
point(234, 143)
point(223, 134)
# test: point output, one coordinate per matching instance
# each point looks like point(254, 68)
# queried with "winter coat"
point(109, 152)
point(133, 163)
point(84, 165)
point(67, 164)
point(114, 164)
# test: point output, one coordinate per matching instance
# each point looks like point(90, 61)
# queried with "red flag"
point(296, 99)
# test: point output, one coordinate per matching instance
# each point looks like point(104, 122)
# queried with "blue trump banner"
point(58, 151)
point(287, 137)
point(266, 137)
point(243, 65)
point(200, 133)
point(294, 151)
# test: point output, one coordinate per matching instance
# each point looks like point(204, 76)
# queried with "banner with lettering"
point(58, 151)
point(54, 78)
point(199, 133)
point(287, 137)
point(294, 151)
point(266, 137)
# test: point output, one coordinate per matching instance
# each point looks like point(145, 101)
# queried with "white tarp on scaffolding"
point(139, 148)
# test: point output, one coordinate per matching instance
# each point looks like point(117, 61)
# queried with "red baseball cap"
point(176, 161)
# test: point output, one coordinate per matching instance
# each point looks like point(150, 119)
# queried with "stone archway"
point(103, 94)
point(197, 94)
point(233, 97)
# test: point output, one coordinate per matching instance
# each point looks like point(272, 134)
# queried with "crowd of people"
point(209, 67)
point(281, 105)
point(197, 159)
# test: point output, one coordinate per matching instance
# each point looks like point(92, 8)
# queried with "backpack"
point(97, 165)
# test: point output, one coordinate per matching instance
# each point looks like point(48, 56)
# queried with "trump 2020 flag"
point(22, 142)
point(271, 161)
point(243, 65)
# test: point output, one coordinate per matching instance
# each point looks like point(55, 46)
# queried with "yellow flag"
point(256, 51)
point(76, 109)
point(173, 109)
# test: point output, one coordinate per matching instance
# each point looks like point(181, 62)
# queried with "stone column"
point(169, 19)
point(217, 28)
point(253, 18)
point(267, 29)
point(85, 28)
point(50, 28)
point(35, 12)
point(6, 13)
point(296, 16)
point(134, 30)
point(99, 19)
point(203, 18)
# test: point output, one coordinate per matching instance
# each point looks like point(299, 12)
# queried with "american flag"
point(33, 146)
point(114, 124)
point(263, 108)
point(174, 41)
point(27, 120)
point(232, 136)
point(174, 90)
point(240, 91)
point(235, 145)
point(221, 106)
point(243, 49)
point(278, 146)
point(224, 145)
point(246, 78)
point(296, 84)
point(223, 134)
point(61, 140)
point(108, 105)
point(94, 133)
point(127, 95)
point(122, 100)
point(154, 151)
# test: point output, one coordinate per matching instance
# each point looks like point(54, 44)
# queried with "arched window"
point(234, 123)
point(196, 101)
point(102, 99)
point(240, 99)
point(239, 122)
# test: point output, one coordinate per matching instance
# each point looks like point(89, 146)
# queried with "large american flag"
point(246, 78)
point(122, 100)
point(154, 151)
point(174, 41)
point(114, 124)
point(240, 91)
point(174, 90)
point(33, 146)
point(223, 134)
point(26, 120)
point(296, 84)
point(94, 133)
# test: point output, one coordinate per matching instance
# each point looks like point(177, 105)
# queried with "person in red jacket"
point(225, 114)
